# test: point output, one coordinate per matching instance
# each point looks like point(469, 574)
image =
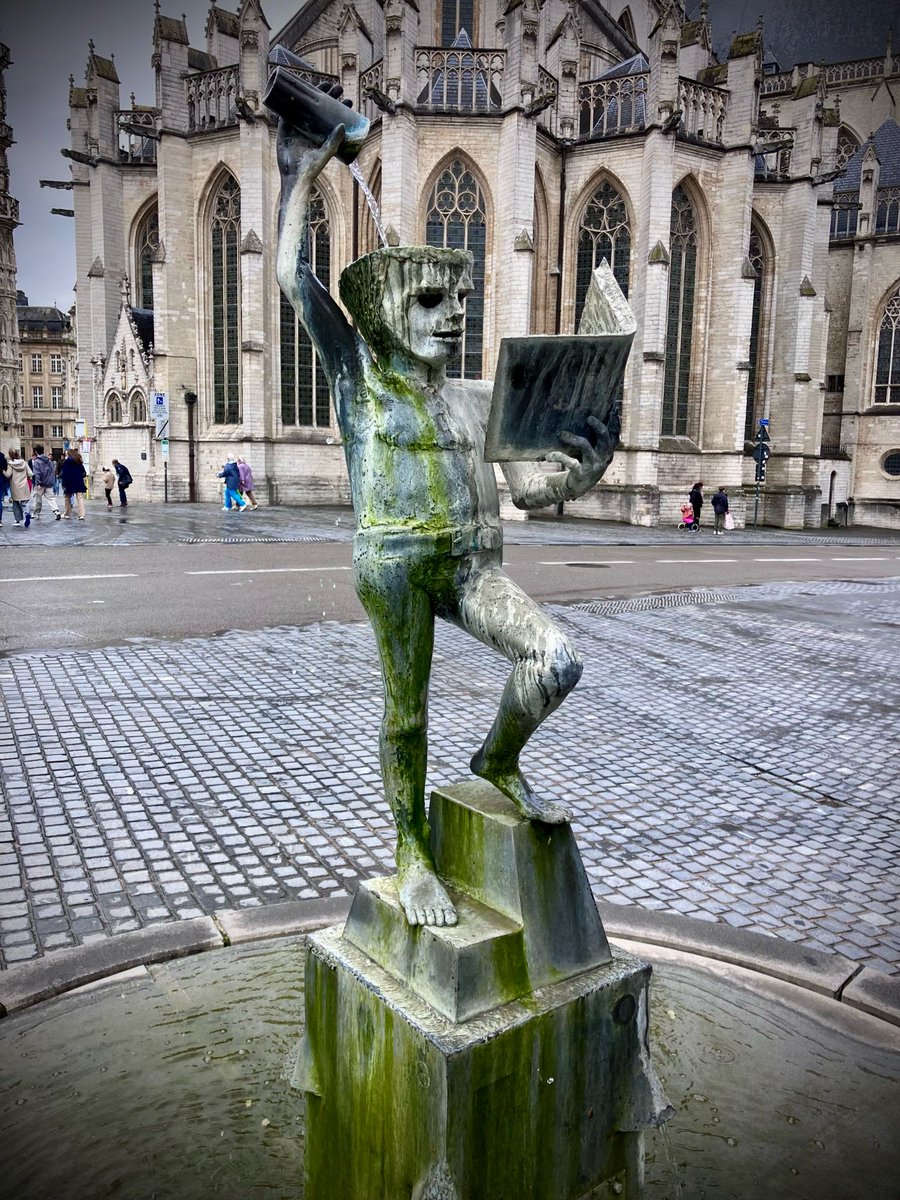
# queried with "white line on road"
point(593, 562)
point(858, 558)
point(679, 561)
point(267, 570)
point(60, 578)
point(787, 560)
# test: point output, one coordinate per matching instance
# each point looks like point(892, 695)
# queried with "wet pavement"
point(728, 757)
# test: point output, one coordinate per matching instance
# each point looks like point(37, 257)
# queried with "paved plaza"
point(730, 757)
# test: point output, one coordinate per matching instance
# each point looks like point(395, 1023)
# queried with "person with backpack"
point(123, 476)
point(43, 471)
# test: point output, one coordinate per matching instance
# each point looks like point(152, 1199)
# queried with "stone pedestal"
point(502, 1059)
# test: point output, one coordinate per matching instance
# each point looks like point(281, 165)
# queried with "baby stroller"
point(687, 519)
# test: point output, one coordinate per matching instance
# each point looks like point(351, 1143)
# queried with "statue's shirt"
point(416, 458)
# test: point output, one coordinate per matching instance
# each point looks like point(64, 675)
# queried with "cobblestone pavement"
point(191, 523)
point(732, 760)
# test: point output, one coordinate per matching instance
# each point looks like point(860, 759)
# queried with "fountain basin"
point(171, 1081)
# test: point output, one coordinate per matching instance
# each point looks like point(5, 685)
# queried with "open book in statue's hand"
point(547, 385)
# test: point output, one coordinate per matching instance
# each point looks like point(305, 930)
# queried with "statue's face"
point(423, 308)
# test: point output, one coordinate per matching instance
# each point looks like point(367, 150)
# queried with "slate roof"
point(226, 22)
point(887, 146)
point(636, 65)
point(35, 318)
point(170, 29)
point(199, 60)
point(105, 68)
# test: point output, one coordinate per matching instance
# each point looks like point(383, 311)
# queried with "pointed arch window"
point(757, 253)
point(114, 410)
point(138, 409)
point(457, 220)
point(226, 302)
point(454, 16)
point(604, 233)
point(305, 398)
point(625, 20)
point(847, 145)
point(887, 360)
point(146, 245)
point(683, 239)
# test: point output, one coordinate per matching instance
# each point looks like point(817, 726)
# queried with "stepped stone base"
point(502, 1059)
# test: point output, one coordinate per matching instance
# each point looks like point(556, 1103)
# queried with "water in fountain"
point(357, 174)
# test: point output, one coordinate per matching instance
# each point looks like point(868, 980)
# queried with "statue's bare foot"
point(423, 897)
point(514, 785)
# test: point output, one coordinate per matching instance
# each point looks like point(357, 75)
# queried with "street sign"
point(79, 429)
point(764, 421)
point(164, 443)
point(761, 452)
point(66, 443)
point(762, 434)
point(160, 412)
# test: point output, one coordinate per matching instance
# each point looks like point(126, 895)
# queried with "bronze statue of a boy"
point(429, 539)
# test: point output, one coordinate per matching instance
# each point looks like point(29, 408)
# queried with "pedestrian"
point(720, 508)
point(19, 490)
point(44, 479)
point(57, 466)
point(109, 482)
point(232, 476)
point(124, 480)
point(696, 500)
point(5, 476)
point(246, 475)
point(72, 475)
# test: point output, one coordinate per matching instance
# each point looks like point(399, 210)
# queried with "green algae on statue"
point(429, 538)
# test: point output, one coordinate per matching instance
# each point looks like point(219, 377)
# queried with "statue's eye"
point(430, 299)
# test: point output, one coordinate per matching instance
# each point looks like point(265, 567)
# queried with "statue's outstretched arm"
point(530, 487)
point(335, 342)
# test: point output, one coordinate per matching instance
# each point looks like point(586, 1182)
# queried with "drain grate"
point(239, 541)
point(608, 608)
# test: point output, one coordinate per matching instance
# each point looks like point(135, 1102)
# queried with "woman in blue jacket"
point(232, 475)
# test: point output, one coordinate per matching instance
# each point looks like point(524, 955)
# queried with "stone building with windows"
point(48, 399)
point(10, 410)
point(542, 137)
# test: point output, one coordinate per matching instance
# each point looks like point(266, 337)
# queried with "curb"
point(829, 975)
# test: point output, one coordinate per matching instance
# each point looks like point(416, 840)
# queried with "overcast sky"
point(48, 41)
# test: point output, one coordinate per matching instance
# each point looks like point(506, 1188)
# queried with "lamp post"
point(190, 399)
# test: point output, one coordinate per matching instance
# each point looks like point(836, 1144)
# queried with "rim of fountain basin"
point(828, 974)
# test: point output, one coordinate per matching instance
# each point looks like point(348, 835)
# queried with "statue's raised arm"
point(340, 351)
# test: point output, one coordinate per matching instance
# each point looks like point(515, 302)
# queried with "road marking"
point(60, 578)
point(585, 562)
point(695, 560)
point(787, 560)
point(858, 558)
point(268, 570)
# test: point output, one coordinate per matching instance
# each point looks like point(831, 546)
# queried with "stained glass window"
point(456, 15)
point(305, 398)
point(604, 233)
point(146, 244)
point(683, 240)
point(756, 375)
point(456, 219)
point(887, 361)
point(226, 303)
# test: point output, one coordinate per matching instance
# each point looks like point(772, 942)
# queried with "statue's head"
point(408, 301)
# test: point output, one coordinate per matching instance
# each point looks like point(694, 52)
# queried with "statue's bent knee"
point(563, 666)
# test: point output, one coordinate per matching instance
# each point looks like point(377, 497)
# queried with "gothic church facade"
point(751, 215)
